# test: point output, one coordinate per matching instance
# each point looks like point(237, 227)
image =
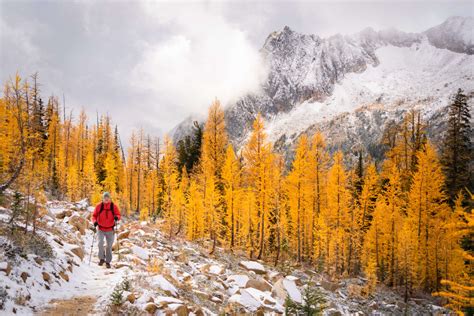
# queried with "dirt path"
point(77, 306)
point(89, 286)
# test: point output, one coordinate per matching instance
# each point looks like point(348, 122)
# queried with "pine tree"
point(457, 147)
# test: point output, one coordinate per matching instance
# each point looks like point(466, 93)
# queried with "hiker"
point(105, 216)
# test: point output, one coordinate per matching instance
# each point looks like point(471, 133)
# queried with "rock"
point(38, 260)
point(216, 270)
point(140, 252)
point(253, 266)
point(46, 276)
point(87, 216)
point(64, 276)
point(131, 298)
point(177, 309)
point(332, 312)
point(63, 214)
point(162, 283)
point(5, 267)
point(24, 276)
point(119, 265)
point(329, 286)
point(286, 287)
point(123, 235)
point(151, 308)
point(239, 280)
point(78, 251)
point(259, 284)
point(80, 223)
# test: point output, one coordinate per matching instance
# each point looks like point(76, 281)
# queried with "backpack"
point(112, 209)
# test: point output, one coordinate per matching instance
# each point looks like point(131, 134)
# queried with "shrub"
point(313, 303)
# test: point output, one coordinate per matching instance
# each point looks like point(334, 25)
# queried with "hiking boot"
point(107, 265)
point(101, 262)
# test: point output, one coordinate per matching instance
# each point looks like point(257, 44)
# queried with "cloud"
point(151, 64)
point(203, 57)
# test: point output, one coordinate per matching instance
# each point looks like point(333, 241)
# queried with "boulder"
point(87, 215)
point(140, 252)
point(259, 284)
point(131, 298)
point(151, 308)
point(24, 276)
point(63, 214)
point(332, 312)
point(46, 276)
point(329, 286)
point(286, 287)
point(253, 266)
point(80, 223)
point(239, 280)
point(78, 251)
point(123, 235)
point(38, 260)
point(162, 283)
point(64, 276)
point(5, 267)
point(177, 309)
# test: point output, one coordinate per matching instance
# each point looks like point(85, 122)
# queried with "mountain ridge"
point(308, 71)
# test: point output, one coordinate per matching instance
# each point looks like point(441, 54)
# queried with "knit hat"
point(106, 195)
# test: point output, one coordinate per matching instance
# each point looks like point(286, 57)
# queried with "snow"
point(293, 291)
point(160, 282)
point(215, 269)
point(3, 265)
point(253, 266)
point(140, 252)
point(420, 75)
point(252, 299)
point(239, 280)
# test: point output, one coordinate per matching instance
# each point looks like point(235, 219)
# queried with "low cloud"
point(203, 57)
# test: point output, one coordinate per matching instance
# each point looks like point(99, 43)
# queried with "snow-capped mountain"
point(350, 86)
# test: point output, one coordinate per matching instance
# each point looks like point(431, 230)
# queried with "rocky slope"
point(155, 275)
point(323, 83)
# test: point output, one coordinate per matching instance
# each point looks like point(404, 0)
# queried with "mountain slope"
point(316, 83)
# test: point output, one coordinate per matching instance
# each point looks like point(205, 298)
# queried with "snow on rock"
point(239, 280)
point(286, 287)
point(253, 266)
point(160, 282)
point(252, 299)
point(140, 252)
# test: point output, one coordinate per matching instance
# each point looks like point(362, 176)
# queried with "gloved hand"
point(95, 224)
point(116, 218)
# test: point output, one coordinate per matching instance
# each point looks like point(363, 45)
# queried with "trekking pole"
point(118, 241)
point(92, 245)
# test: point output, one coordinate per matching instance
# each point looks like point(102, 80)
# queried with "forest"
point(405, 221)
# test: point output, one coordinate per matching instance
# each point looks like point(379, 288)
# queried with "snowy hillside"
point(313, 81)
point(154, 275)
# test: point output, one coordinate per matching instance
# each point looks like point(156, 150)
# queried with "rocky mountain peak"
point(455, 34)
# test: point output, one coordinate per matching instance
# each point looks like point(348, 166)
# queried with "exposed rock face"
point(455, 34)
point(319, 83)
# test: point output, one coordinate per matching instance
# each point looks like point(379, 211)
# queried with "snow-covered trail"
point(89, 285)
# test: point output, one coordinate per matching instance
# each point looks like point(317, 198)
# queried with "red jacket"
point(105, 219)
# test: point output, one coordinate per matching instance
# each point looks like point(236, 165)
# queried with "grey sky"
point(151, 64)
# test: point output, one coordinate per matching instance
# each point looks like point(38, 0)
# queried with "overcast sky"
point(152, 64)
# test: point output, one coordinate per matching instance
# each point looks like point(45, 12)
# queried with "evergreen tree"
point(457, 148)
